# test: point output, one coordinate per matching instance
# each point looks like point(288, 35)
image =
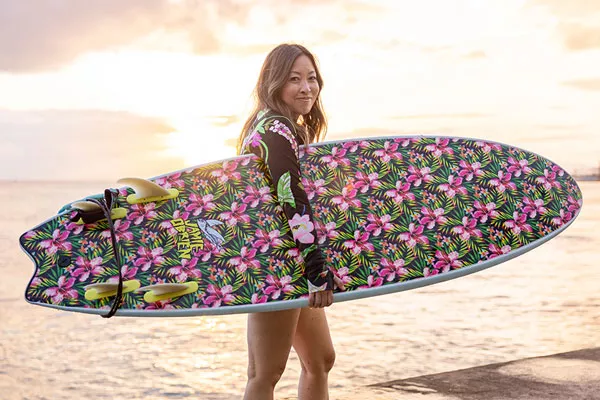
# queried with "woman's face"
point(301, 90)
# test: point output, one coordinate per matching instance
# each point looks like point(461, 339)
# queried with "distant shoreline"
point(587, 178)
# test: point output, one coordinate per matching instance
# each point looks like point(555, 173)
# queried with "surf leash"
point(106, 206)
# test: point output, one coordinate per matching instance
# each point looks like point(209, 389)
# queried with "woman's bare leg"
point(313, 344)
point(270, 337)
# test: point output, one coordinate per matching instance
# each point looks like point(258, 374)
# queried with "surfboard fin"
point(98, 291)
point(166, 291)
point(147, 191)
point(89, 207)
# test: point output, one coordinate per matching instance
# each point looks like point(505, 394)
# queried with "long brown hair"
point(273, 76)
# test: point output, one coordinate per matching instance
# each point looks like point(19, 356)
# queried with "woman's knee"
point(321, 364)
point(267, 376)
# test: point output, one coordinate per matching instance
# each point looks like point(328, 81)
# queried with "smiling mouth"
point(305, 99)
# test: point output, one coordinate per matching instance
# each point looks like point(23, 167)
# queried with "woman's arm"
point(275, 143)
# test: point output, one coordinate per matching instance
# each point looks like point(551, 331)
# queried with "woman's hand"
point(324, 298)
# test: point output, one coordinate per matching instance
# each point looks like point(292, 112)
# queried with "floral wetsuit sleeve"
point(273, 141)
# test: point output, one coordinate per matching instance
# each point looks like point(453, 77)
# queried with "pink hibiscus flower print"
point(85, 268)
point(64, 290)
point(245, 260)
point(141, 212)
point(453, 187)
point(359, 243)
point(496, 251)
point(257, 298)
point(264, 239)
point(326, 231)
point(533, 207)
point(58, 242)
point(171, 181)
point(414, 235)
point(557, 170)
point(445, 262)
point(439, 147)
point(236, 215)
point(127, 272)
point(549, 180)
point(574, 205)
point(198, 204)
point(563, 218)
point(342, 274)
point(503, 182)
point(518, 224)
point(518, 167)
point(427, 271)
point(470, 171)
point(160, 305)
point(122, 231)
point(228, 172)
point(391, 269)
point(302, 228)
point(401, 192)
point(336, 158)
point(378, 224)
point(372, 282)
point(418, 175)
point(207, 252)
point(218, 295)
point(187, 269)
point(347, 199)
point(484, 212)
point(256, 196)
point(176, 215)
point(355, 145)
point(149, 257)
point(75, 228)
point(365, 182)
point(432, 217)
point(276, 286)
point(388, 152)
point(253, 140)
point(313, 189)
point(467, 229)
point(487, 147)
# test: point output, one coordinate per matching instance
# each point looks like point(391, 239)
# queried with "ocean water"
point(541, 303)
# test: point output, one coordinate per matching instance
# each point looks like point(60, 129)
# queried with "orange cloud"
point(570, 8)
point(48, 35)
point(580, 37)
point(592, 84)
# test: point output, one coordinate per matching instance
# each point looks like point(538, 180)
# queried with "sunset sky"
point(101, 89)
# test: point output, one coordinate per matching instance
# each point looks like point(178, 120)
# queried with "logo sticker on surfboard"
point(192, 234)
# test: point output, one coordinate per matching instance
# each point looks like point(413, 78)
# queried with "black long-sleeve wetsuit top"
point(274, 139)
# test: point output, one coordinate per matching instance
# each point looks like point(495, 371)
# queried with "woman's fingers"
point(338, 282)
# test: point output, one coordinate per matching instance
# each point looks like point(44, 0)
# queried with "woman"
point(289, 113)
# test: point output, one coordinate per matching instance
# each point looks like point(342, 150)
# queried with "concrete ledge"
point(573, 375)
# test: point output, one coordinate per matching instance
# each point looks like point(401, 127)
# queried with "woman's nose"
point(305, 87)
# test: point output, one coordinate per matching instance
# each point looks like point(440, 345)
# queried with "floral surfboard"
point(391, 214)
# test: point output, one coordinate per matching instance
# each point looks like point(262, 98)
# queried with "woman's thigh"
point(270, 338)
point(313, 342)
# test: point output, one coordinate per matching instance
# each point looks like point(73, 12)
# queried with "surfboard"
point(390, 214)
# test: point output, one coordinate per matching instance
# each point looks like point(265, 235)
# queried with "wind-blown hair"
point(274, 74)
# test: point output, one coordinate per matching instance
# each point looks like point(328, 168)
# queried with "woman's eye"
point(294, 79)
point(313, 78)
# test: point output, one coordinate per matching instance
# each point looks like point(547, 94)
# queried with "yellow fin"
point(165, 291)
point(147, 191)
point(97, 291)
